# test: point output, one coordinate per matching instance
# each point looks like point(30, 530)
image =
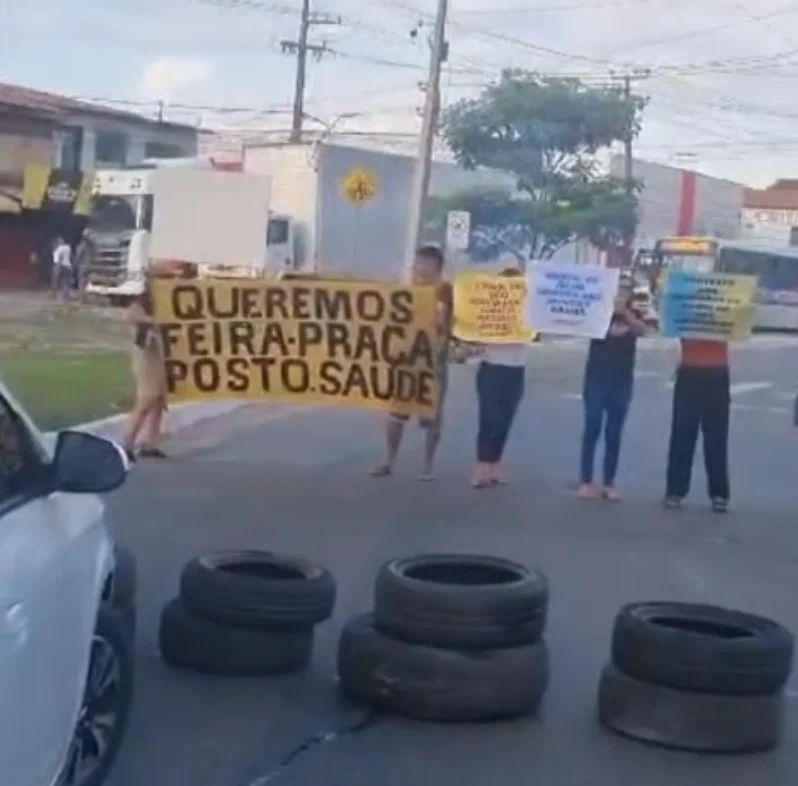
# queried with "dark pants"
point(499, 392)
point(701, 400)
point(606, 405)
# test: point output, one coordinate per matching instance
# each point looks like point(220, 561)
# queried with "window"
point(71, 148)
point(278, 232)
point(17, 460)
point(110, 147)
point(163, 150)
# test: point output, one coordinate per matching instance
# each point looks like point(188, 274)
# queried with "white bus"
point(775, 268)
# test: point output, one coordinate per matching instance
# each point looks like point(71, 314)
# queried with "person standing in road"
point(62, 273)
point(143, 431)
point(500, 388)
point(701, 401)
point(607, 394)
point(427, 269)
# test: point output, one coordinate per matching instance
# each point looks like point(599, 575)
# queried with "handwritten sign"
point(707, 305)
point(571, 300)
point(490, 309)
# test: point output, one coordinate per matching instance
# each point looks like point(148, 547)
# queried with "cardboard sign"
point(490, 309)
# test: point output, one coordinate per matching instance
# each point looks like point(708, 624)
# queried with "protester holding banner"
point(143, 430)
point(500, 388)
point(427, 269)
point(701, 400)
point(607, 394)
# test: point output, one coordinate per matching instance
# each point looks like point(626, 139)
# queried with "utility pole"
point(628, 157)
point(432, 106)
point(301, 48)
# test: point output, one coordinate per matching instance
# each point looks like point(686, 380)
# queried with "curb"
point(179, 417)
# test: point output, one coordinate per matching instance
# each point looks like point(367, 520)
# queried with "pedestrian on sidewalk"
point(607, 394)
point(500, 388)
point(701, 401)
point(427, 269)
point(61, 281)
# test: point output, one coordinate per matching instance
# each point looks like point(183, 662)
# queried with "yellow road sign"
point(360, 186)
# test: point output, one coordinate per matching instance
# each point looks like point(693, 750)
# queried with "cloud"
point(37, 17)
point(165, 77)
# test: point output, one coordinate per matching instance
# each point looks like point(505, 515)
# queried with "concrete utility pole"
point(301, 48)
point(432, 107)
point(628, 157)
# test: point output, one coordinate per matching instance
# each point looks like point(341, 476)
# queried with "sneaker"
point(720, 505)
point(673, 503)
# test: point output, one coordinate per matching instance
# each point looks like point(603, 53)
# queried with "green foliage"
point(545, 131)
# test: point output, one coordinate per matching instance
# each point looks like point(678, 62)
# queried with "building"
point(677, 201)
point(771, 214)
point(58, 142)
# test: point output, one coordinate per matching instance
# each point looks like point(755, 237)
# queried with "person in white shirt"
point(62, 278)
point(500, 388)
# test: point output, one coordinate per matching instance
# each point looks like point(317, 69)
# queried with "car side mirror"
point(86, 464)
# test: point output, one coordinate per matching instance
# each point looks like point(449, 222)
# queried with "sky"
point(720, 74)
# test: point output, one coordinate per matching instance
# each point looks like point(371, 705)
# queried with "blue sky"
point(723, 72)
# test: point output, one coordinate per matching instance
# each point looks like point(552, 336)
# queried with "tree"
point(545, 132)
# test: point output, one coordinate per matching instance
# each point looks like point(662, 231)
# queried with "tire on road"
point(214, 648)
point(257, 589)
point(696, 647)
point(433, 684)
point(698, 722)
point(461, 601)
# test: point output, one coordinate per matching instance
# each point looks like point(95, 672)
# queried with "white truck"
point(217, 219)
point(365, 237)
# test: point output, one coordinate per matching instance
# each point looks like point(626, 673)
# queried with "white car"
point(67, 608)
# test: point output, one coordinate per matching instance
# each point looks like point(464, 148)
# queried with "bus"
point(776, 269)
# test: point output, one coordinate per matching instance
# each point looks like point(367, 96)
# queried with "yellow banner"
point(346, 343)
point(490, 309)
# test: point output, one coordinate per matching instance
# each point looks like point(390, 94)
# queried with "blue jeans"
point(606, 405)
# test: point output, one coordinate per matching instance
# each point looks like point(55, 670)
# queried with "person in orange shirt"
point(701, 401)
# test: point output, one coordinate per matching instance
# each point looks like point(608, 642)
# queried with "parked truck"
point(341, 229)
point(182, 210)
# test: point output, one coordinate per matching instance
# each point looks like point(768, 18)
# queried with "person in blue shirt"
point(607, 394)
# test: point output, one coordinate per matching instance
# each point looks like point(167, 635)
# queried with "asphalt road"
point(295, 481)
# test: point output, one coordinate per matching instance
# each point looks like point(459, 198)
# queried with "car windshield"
point(113, 213)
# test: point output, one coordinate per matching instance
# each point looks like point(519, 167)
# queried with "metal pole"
point(301, 74)
point(432, 107)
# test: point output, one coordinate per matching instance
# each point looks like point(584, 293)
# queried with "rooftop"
point(782, 195)
point(56, 107)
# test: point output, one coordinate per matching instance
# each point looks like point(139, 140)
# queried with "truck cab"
point(124, 211)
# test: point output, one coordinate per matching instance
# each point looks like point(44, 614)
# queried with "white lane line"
point(748, 387)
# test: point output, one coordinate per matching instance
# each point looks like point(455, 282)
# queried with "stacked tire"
point(696, 677)
point(452, 638)
point(245, 613)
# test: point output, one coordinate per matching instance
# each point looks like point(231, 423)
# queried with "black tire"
point(426, 683)
point(257, 589)
point(215, 648)
point(109, 640)
point(698, 722)
point(125, 581)
point(702, 648)
point(461, 601)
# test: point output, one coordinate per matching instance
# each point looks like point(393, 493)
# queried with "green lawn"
point(60, 389)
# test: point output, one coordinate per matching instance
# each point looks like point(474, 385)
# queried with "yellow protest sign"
point(490, 309)
point(348, 343)
point(707, 305)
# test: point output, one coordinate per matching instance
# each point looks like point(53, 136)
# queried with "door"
point(48, 575)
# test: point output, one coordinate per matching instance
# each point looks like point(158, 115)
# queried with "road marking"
point(571, 396)
point(748, 387)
